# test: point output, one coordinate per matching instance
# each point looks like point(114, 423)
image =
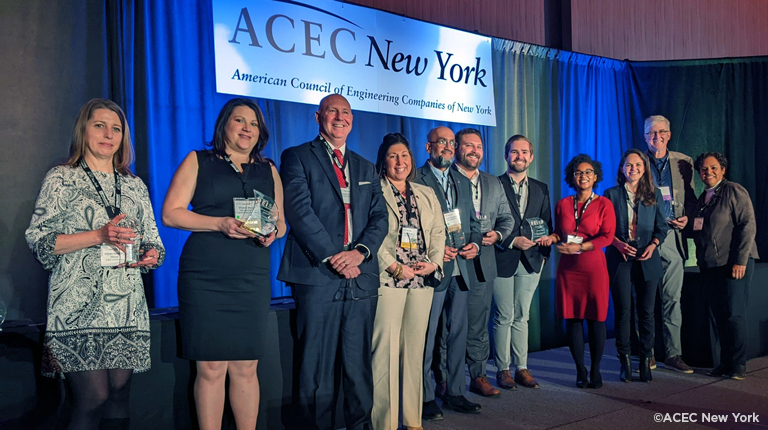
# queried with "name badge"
point(410, 238)
point(665, 194)
point(111, 256)
point(345, 197)
point(574, 239)
point(698, 224)
point(452, 220)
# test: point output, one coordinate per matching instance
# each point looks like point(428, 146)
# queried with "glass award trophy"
point(260, 214)
point(675, 210)
point(535, 228)
point(132, 250)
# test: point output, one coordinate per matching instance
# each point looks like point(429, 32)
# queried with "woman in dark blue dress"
point(224, 285)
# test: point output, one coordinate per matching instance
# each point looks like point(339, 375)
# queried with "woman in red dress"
point(584, 224)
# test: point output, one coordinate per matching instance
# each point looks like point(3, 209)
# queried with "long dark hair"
point(390, 140)
point(646, 192)
point(123, 158)
point(219, 142)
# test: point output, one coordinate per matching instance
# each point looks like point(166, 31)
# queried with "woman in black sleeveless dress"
point(224, 285)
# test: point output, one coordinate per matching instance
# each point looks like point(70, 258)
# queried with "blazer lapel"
point(389, 197)
point(511, 196)
point(325, 163)
point(431, 181)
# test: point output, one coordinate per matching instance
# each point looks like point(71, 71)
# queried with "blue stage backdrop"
point(162, 72)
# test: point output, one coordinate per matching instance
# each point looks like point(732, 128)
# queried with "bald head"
point(334, 116)
point(441, 147)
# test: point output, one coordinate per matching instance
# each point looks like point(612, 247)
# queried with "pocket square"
point(364, 183)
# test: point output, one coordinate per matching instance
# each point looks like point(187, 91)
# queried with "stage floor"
point(617, 405)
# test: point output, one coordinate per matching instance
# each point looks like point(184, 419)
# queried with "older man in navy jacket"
point(334, 205)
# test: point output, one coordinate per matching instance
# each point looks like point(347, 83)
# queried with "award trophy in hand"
point(262, 216)
point(535, 228)
point(675, 210)
point(132, 250)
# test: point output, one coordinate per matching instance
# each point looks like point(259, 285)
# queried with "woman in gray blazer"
point(634, 258)
point(724, 229)
point(410, 265)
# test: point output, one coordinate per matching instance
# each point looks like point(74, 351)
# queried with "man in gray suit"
point(673, 175)
point(496, 223)
point(447, 330)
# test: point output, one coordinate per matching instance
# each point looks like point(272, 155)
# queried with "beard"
point(441, 161)
point(513, 167)
point(466, 161)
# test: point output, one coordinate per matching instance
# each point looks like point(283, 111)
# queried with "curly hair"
point(716, 155)
point(575, 161)
point(646, 192)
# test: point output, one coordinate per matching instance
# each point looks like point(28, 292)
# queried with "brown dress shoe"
point(504, 380)
point(481, 386)
point(414, 428)
point(524, 378)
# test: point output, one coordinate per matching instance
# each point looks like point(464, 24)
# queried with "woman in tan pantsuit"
point(410, 263)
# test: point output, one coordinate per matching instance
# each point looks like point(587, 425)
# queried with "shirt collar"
point(440, 174)
point(473, 178)
point(658, 161)
point(524, 182)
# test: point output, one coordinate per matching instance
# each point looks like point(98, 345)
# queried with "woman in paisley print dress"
point(97, 332)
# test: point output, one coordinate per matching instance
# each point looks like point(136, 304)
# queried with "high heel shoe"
point(595, 379)
point(582, 379)
point(625, 374)
point(645, 369)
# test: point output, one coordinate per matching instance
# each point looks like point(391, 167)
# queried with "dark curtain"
point(713, 105)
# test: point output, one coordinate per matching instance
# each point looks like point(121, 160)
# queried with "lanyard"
point(711, 202)
point(341, 164)
point(242, 176)
point(448, 190)
point(112, 211)
point(578, 216)
point(406, 201)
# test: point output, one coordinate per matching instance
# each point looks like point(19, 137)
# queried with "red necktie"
point(342, 184)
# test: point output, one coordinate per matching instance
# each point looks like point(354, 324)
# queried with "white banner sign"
point(301, 51)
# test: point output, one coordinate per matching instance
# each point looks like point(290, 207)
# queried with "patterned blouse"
point(97, 316)
point(409, 217)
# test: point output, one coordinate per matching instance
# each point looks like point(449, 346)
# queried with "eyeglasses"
point(654, 133)
point(578, 173)
point(443, 142)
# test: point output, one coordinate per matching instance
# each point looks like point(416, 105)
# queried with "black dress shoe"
point(645, 369)
point(460, 404)
point(625, 374)
point(431, 412)
point(720, 371)
point(595, 379)
point(582, 378)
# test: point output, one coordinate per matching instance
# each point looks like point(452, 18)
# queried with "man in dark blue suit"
point(338, 219)
point(449, 303)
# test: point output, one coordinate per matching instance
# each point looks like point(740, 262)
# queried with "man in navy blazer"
point(338, 220)
point(519, 261)
point(447, 330)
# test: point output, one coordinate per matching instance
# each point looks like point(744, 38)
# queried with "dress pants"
point(628, 273)
point(399, 333)
point(671, 289)
point(449, 310)
point(333, 321)
point(512, 299)
point(728, 302)
point(478, 314)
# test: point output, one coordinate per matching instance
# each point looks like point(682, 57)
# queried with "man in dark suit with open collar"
point(519, 261)
point(449, 303)
point(338, 220)
point(496, 223)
